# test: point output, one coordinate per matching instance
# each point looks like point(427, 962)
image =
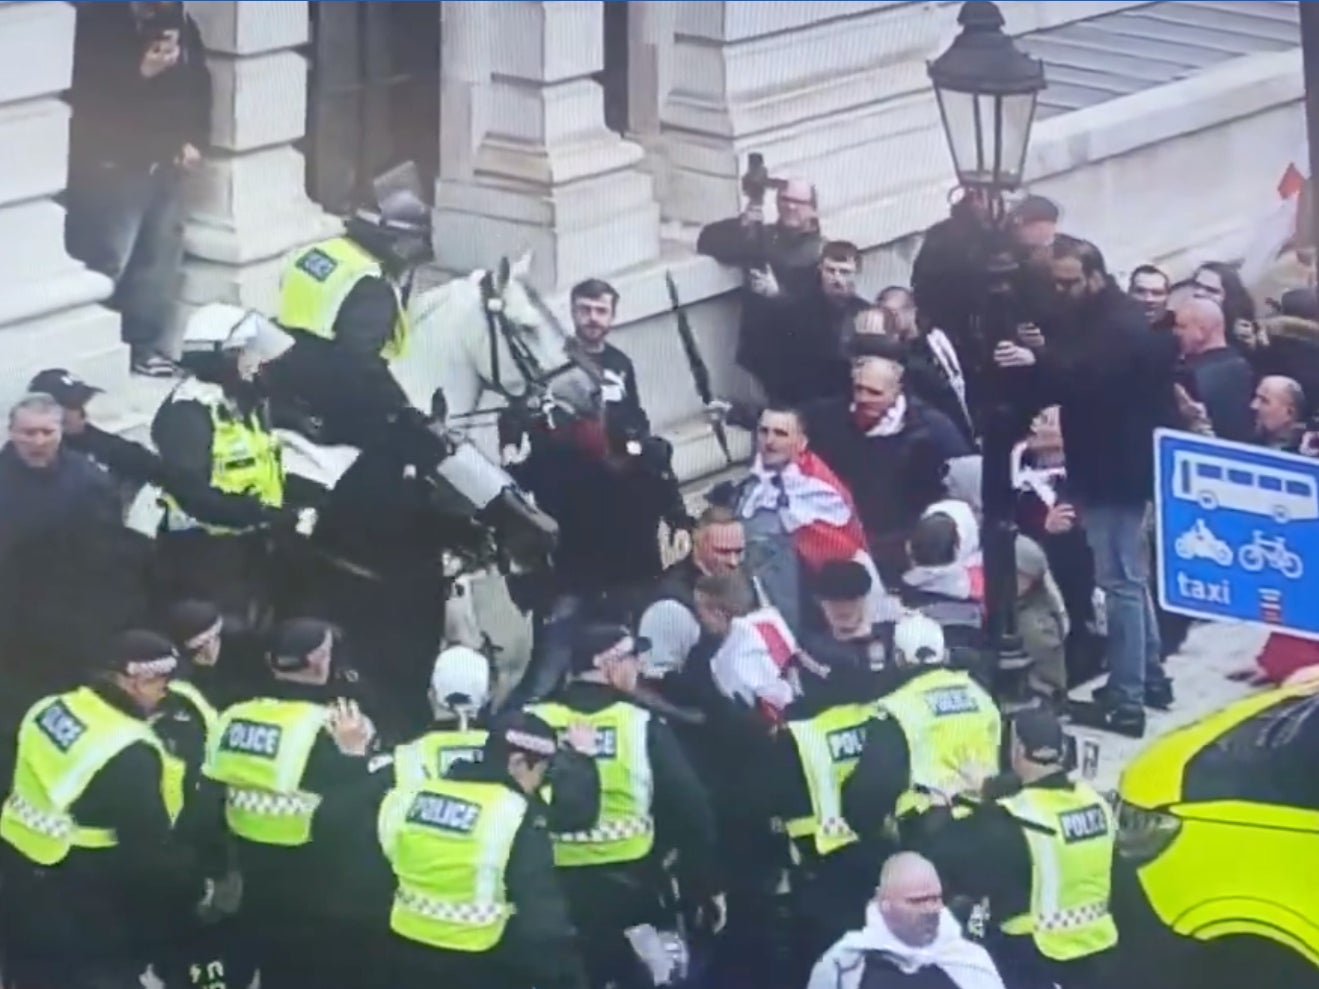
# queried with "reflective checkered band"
point(270, 804)
point(615, 830)
point(1066, 920)
point(471, 914)
point(58, 826)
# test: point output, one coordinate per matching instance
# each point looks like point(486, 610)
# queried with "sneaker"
point(153, 366)
point(1158, 694)
point(1124, 719)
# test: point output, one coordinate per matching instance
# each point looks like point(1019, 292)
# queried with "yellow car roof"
point(1156, 777)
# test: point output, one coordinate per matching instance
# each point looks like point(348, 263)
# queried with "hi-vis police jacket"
point(64, 742)
point(571, 792)
point(925, 734)
point(224, 463)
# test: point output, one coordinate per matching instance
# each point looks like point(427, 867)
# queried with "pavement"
point(1201, 685)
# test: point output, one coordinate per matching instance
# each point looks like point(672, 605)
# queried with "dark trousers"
point(296, 955)
point(127, 223)
point(73, 973)
point(213, 956)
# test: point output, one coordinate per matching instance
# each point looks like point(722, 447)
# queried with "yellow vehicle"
point(1217, 874)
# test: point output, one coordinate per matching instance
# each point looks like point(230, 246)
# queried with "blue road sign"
point(1238, 532)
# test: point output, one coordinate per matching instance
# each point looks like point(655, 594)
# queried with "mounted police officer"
point(226, 474)
point(344, 303)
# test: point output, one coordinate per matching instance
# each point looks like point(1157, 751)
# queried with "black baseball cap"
point(1301, 303)
point(1041, 736)
point(66, 388)
point(842, 580)
point(595, 640)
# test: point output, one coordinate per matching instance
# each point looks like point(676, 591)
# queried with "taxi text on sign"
point(1238, 532)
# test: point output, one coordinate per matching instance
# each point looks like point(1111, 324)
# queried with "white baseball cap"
point(918, 640)
point(461, 678)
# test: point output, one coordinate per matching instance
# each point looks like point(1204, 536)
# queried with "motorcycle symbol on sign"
point(1272, 552)
point(1199, 543)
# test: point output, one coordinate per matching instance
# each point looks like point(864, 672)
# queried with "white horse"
point(487, 334)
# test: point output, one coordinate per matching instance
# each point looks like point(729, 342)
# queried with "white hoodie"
point(966, 963)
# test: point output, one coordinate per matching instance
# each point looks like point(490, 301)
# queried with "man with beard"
point(1112, 378)
point(795, 349)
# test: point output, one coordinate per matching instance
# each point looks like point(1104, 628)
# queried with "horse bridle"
point(498, 326)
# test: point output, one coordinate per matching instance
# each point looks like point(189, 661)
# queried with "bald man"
point(1279, 408)
point(889, 447)
point(1214, 373)
point(909, 940)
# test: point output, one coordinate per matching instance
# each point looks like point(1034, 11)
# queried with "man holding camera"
point(781, 259)
point(141, 98)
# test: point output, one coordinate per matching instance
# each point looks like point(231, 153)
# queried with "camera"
point(757, 180)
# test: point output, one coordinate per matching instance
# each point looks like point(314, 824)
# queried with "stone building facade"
point(604, 134)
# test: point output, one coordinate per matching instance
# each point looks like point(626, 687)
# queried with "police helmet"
point(220, 326)
point(397, 226)
point(919, 641)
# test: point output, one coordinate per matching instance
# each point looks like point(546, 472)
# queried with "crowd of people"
point(779, 761)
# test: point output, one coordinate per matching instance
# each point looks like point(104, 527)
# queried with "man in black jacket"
point(1112, 378)
point(141, 99)
point(890, 449)
point(129, 463)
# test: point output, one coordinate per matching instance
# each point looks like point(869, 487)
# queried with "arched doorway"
point(373, 96)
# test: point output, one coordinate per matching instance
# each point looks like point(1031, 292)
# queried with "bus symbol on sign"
point(1217, 482)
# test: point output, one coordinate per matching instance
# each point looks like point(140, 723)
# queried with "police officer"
point(185, 722)
point(493, 914)
point(127, 462)
point(459, 696)
point(832, 868)
point(94, 877)
point(226, 474)
point(276, 754)
point(1043, 854)
point(610, 871)
point(344, 301)
point(935, 725)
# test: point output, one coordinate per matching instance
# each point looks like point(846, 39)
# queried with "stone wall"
point(49, 310)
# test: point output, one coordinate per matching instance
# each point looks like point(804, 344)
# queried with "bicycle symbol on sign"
point(1264, 551)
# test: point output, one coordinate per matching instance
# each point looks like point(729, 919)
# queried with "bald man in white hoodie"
point(910, 940)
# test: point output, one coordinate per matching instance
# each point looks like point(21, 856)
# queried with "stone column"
point(830, 91)
point(49, 315)
point(651, 27)
point(539, 169)
point(250, 205)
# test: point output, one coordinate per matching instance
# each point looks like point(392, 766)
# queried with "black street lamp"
point(987, 90)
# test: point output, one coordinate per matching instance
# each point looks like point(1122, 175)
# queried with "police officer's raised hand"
point(581, 738)
point(351, 730)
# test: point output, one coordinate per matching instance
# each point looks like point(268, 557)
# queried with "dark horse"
point(390, 536)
